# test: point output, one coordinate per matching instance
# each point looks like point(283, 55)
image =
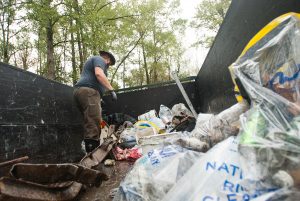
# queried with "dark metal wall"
point(243, 20)
point(137, 102)
point(37, 118)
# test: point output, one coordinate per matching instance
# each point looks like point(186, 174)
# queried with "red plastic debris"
point(126, 154)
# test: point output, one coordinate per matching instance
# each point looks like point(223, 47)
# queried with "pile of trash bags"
point(136, 137)
point(250, 151)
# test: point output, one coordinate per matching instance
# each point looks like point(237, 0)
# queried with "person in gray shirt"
point(88, 92)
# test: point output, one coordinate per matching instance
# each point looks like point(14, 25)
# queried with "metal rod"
point(185, 96)
point(14, 161)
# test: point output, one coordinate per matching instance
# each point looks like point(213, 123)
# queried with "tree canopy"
point(209, 16)
point(54, 37)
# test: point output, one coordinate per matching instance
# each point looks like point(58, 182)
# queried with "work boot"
point(91, 144)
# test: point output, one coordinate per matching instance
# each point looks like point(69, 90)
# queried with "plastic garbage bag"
point(271, 60)
point(147, 124)
point(217, 176)
point(159, 123)
point(180, 110)
point(270, 152)
point(148, 143)
point(165, 114)
point(232, 115)
point(190, 143)
point(118, 119)
point(202, 118)
point(128, 135)
point(211, 129)
point(155, 173)
point(268, 72)
point(148, 115)
point(183, 123)
point(284, 194)
point(214, 130)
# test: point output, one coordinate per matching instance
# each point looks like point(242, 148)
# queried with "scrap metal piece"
point(107, 132)
point(14, 161)
point(56, 173)
point(24, 190)
point(188, 101)
point(21, 190)
point(111, 130)
point(95, 157)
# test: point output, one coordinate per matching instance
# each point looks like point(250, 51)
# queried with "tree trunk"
point(4, 39)
point(155, 74)
point(6, 54)
point(24, 63)
point(80, 51)
point(3, 46)
point(3, 36)
point(169, 68)
point(140, 70)
point(24, 58)
point(79, 34)
point(65, 32)
point(50, 52)
point(15, 59)
point(5, 51)
point(73, 59)
point(39, 67)
point(145, 65)
point(123, 74)
point(178, 67)
point(93, 36)
point(84, 51)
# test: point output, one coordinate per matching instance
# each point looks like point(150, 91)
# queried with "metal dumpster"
point(38, 117)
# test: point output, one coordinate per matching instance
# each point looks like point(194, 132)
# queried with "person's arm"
point(101, 77)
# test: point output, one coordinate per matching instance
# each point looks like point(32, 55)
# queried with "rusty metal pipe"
point(14, 161)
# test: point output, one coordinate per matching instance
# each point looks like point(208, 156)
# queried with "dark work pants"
point(88, 102)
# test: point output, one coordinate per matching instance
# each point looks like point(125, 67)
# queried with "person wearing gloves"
point(88, 92)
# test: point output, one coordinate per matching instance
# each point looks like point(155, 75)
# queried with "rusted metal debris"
point(61, 189)
point(14, 161)
point(22, 190)
point(57, 173)
point(94, 158)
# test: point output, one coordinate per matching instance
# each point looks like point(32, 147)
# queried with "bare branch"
point(119, 17)
point(9, 6)
point(60, 42)
point(19, 31)
point(126, 56)
point(108, 3)
point(60, 3)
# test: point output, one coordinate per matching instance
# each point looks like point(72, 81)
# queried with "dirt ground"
point(102, 193)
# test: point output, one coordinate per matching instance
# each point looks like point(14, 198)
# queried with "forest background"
point(149, 38)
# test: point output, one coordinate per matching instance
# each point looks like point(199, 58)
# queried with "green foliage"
point(7, 17)
point(210, 15)
point(158, 22)
point(62, 34)
point(136, 78)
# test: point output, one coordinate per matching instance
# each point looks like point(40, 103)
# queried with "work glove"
point(113, 95)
